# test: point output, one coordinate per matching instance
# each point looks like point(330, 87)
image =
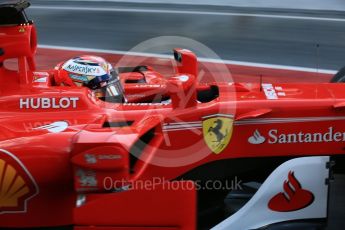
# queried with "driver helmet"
point(93, 72)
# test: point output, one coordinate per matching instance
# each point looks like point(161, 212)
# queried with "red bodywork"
point(279, 120)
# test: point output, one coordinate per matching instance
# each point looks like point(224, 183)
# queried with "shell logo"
point(17, 186)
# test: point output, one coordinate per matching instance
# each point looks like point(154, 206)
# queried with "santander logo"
point(293, 198)
point(257, 138)
point(275, 136)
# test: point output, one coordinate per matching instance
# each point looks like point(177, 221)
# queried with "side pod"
point(296, 190)
point(170, 205)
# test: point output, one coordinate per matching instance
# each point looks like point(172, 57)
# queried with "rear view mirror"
point(13, 13)
point(177, 56)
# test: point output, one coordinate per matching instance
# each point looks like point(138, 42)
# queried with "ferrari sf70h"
point(175, 154)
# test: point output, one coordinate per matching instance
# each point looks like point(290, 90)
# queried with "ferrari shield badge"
point(217, 131)
point(17, 186)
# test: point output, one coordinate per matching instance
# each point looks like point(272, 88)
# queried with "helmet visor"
point(112, 91)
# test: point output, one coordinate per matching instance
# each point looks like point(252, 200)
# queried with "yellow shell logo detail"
point(12, 187)
point(217, 131)
point(16, 184)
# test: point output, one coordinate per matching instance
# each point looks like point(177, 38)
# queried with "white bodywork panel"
point(310, 172)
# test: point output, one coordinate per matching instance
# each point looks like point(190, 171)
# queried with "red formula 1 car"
point(176, 155)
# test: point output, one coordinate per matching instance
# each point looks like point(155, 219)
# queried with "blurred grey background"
point(305, 33)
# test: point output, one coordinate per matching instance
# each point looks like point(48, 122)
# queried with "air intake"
point(118, 124)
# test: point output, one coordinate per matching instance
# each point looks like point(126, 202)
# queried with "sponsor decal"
point(93, 159)
point(112, 91)
point(40, 74)
point(135, 95)
point(87, 178)
point(269, 91)
point(183, 78)
point(55, 127)
point(275, 137)
point(105, 66)
point(293, 198)
point(90, 159)
point(29, 126)
point(217, 131)
point(149, 86)
point(256, 139)
point(109, 157)
point(17, 186)
point(48, 103)
point(82, 69)
point(273, 93)
point(279, 91)
point(80, 78)
point(143, 104)
point(40, 79)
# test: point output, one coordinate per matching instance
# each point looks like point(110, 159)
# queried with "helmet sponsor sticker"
point(217, 131)
point(76, 68)
point(17, 186)
point(81, 78)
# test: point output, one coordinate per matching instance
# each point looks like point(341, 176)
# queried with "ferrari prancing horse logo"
point(217, 130)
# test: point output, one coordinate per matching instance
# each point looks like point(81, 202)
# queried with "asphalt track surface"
point(251, 35)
